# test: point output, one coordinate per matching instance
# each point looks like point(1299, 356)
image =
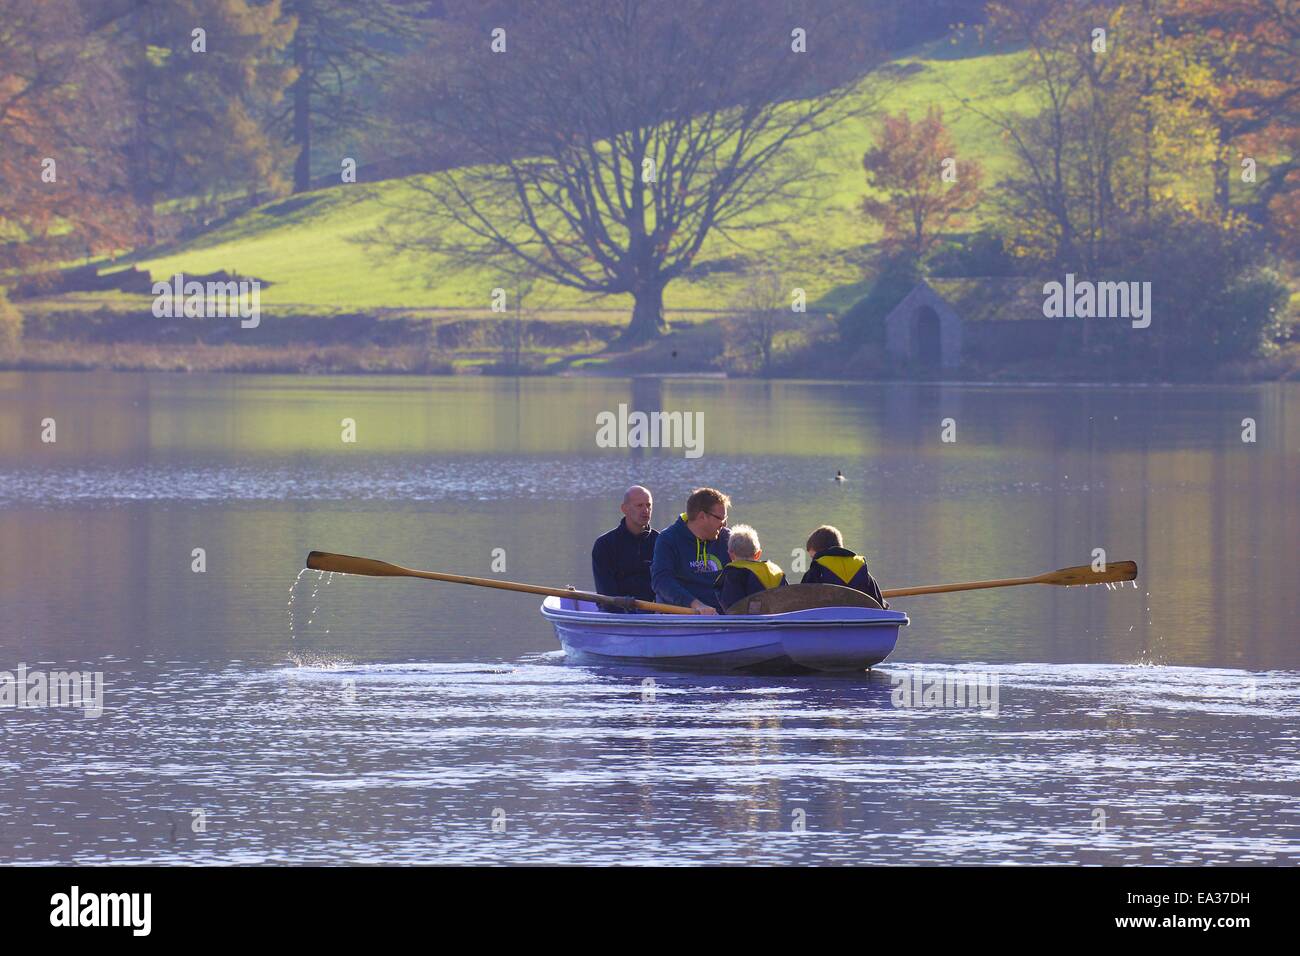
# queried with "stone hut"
point(941, 323)
point(924, 329)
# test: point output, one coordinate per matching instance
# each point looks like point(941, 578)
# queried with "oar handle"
point(348, 564)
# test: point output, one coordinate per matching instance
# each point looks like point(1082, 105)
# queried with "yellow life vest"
point(842, 567)
point(769, 574)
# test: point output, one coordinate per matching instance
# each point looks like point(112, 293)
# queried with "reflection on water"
point(385, 720)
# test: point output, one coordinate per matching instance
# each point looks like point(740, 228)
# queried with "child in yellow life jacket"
point(832, 563)
point(747, 573)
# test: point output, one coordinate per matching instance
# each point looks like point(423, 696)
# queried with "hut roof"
point(986, 299)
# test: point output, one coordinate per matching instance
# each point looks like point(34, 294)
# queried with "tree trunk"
point(647, 316)
point(142, 191)
point(519, 330)
point(1148, 161)
point(301, 115)
point(1223, 175)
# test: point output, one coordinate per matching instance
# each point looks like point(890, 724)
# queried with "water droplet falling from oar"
point(293, 594)
point(315, 604)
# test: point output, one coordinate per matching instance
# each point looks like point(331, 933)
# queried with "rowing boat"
point(814, 639)
point(801, 627)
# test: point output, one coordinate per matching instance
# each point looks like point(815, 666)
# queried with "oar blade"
point(347, 564)
point(1084, 574)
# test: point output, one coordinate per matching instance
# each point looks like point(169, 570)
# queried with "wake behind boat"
point(834, 639)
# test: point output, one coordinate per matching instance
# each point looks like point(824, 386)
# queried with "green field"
point(306, 247)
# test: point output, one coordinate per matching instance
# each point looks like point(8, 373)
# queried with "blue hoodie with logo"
point(684, 567)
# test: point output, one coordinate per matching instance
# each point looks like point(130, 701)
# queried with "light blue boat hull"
point(818, 639)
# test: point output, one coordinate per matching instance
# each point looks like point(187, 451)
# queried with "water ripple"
point(415, 762)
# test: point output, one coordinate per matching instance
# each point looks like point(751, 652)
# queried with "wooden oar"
point(1084, 574)
point(346, 564)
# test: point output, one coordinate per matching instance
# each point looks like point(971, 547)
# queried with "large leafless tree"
point(599, 143)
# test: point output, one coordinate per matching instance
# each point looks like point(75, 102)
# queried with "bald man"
point(620, 559)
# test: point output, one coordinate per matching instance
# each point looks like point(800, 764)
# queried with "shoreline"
point(60, 335)
point(363, 361)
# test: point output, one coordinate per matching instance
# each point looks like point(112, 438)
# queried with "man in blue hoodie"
point(691, 553)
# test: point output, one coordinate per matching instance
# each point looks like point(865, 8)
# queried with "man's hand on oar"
point(347, 564)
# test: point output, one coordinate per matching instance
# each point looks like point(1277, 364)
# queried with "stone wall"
point(993, 341)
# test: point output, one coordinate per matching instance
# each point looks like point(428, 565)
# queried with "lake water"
point(377, 720)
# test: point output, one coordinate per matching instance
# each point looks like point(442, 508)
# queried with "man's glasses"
point(721, 519)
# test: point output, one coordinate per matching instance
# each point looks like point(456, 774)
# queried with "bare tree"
point(529, 298)
point(602, 142)
point(765, 310)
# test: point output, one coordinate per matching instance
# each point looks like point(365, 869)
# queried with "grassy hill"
point(305, 245)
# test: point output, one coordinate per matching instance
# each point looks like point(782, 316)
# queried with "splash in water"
point(317, 660)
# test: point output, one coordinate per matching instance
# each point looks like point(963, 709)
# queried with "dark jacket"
point(841, 566)
point(742, 578)
point(620, 563)
point(684, 567)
